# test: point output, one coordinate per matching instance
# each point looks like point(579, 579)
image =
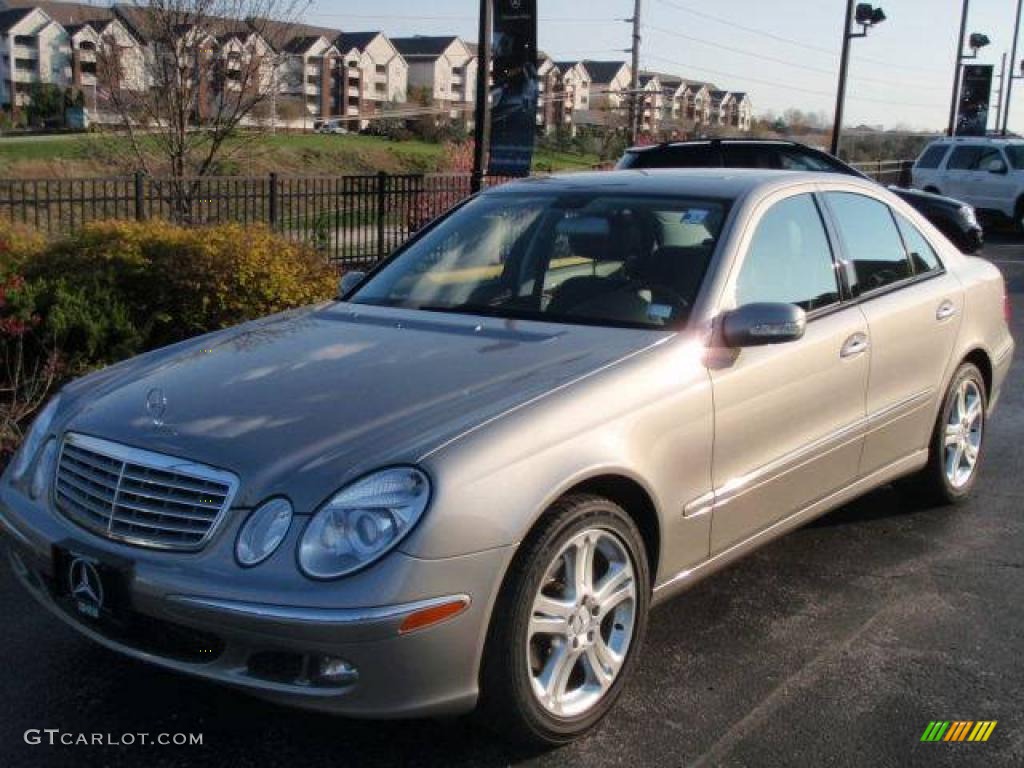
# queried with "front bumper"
point(207, 617)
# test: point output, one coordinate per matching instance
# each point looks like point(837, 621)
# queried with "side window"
point(922, 255)
point(990, 159)
point(964, 158)
point(932, 157)
point(789, 259)
point(873, 243)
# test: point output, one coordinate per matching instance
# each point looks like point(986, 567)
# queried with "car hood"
point(301, 403)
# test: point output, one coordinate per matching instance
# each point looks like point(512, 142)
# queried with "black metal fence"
point(355, 220)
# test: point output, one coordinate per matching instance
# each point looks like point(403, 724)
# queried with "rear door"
point(788, 417)
point(956, 180)
point(993, 181)
point(913, 309)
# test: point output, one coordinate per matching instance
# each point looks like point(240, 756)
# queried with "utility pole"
point(1005, 111)
point(635, 97)
point(999, 93)
point(844, 63)
point(954, 102)
point(482, 119)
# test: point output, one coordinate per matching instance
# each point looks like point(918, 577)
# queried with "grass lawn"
point(295, 154)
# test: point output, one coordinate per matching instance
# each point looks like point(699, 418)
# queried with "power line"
point(788, 40)
point(784, 62)
point(785, 87)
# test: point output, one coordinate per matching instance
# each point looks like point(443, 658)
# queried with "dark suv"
point(955, 219)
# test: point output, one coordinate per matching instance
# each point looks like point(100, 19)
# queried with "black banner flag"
point(516, 88)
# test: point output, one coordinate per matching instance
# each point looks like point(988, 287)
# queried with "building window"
point(25, 65)
point(29, 40)
point(87, 45)
point(88, 67)
point(380, 88)
point(382, 69)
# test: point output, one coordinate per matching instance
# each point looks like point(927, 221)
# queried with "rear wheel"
point(957, 440)
point(568, 624)
point(1018, 217)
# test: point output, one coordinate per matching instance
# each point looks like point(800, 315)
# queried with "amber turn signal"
point(435, 614)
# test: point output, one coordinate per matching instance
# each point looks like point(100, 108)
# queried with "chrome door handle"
point(855, 345)
point(946, 310)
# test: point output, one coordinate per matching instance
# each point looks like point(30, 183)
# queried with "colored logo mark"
point(959, 730)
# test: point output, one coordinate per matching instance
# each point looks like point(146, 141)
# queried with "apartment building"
point(442, 69)
point(383, 72)
point(608, 93)
point(652, 102)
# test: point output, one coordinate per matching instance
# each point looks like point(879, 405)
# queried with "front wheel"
point(568, 624)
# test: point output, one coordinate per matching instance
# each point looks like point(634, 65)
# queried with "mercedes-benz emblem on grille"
point(156, 405)
point(86, 587)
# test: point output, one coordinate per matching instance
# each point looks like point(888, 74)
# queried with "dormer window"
point(87, 45)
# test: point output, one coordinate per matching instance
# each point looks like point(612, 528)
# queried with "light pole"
point(976, 42)
point(1013, 63)
point(866, 16)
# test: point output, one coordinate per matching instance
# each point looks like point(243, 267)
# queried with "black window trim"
point(847, 271)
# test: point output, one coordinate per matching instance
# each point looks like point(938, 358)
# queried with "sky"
point(784, 53)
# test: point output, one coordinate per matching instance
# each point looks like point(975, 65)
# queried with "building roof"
point(302, 43)
point(423, 46)
point(603, 71)
point(65, 13)
point(12, 16)
point(348, 40)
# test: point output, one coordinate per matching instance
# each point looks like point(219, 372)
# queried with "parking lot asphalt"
point(836, 645)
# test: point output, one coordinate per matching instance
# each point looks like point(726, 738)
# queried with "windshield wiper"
point(485, 310)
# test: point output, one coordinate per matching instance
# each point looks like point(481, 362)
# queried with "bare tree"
point(207, 69)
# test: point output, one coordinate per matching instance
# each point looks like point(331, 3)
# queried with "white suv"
point(988, 173)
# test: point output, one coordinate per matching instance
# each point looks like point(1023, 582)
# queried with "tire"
point(1018, 217)
point(935, 483)
point(519, 658)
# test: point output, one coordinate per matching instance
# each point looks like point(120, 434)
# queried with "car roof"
point(713, 142)
point(721, 183)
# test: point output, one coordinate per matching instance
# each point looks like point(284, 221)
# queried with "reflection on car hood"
point(302, 402)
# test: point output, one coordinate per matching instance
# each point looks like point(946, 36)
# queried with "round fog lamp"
point(44, 469)
point(263, 532)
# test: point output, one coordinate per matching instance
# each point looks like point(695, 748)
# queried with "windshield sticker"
point(659, 311)
point(696, 215)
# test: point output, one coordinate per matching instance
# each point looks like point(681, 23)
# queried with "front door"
point(788, 417)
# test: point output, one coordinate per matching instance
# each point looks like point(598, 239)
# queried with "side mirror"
point(998, 167)
point(755, 325)
point(348, 283)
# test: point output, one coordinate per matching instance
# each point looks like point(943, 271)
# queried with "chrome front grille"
point(138, 497)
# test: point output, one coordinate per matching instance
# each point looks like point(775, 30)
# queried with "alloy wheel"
point(962, 438)
point(581, 623)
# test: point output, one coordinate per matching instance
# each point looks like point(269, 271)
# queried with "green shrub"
point(174, 282)
point(120, 288)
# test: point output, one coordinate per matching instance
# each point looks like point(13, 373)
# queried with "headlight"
point(363, 522)
point(968, 215)
point(44, 469)
point(30, 446)
point(263, 532)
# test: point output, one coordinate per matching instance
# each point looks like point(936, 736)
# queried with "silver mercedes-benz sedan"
point(465, 483)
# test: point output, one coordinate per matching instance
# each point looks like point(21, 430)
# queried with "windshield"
point(1016, 154)
point(593, 259)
